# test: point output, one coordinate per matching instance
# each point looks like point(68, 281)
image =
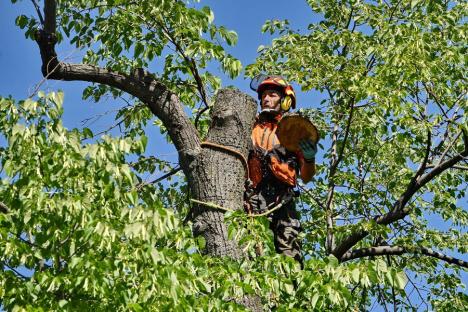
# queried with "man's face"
point(271, 100)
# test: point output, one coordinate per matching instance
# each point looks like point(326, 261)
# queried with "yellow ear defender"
point(286, 102)
point(262, 82)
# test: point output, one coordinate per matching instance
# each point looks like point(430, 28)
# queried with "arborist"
point(273, 170)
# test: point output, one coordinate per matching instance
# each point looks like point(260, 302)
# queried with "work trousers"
point(284, 222)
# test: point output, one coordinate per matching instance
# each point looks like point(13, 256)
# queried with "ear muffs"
point(286, 103)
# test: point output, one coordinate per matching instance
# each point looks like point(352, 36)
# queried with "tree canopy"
point(384, 220)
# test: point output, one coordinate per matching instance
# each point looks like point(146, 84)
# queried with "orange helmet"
point(263, 82)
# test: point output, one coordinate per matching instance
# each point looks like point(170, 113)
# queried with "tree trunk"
point(214, 174)
point(218, 175)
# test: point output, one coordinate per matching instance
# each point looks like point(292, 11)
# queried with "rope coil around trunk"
point(232, 151)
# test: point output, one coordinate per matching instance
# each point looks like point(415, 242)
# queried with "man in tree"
point(273, 169)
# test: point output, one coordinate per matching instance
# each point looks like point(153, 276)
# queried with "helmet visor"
point(274, 80)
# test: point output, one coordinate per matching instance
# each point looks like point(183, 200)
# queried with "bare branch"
point(336, 159)
point(436, 99)
point(448, 148)
point(331, 191)
point(423, 301)
point(445, 165)
point(190, 61)
point(399, 250)
point(318, 202)
point(18, 274)
point(348, 126)
point(453, 167)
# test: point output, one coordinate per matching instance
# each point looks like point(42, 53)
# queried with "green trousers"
point(284, 222)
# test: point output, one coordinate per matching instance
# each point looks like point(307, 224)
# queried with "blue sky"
point(20, 59)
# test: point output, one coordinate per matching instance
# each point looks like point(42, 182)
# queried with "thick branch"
point(50, 16)
point(399, 250)
point(162, 102)
point(400, 208)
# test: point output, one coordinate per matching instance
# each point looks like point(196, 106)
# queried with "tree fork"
point(213, 175)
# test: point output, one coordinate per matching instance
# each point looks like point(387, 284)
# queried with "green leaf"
point(138, 49)
point(400, 279)
point(22, 21)
point(314, 300)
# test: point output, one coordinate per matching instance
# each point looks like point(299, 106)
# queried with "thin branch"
point(400, 209)
point(18, 274)
point(4, 208)
point(199, 114)
point(348, 126)
point(436, 99)
point(445, 165)
point(457, 167)
point(318, 202)
point(399, 250)
point(330, 223)
point(381, 298)
point(418, 291)
point(165, 176)
point(336, 159)
point(448, 148)
point(423, 165)
point(38, 10)
point(190, 61)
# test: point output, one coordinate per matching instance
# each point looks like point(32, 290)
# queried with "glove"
point(308, 149)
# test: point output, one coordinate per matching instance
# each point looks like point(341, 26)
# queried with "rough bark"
point(218, 175)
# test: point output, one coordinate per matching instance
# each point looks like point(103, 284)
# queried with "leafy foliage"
point(393, 73)
point(80, 229)
point(80, 233)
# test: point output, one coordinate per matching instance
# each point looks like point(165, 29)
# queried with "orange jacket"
point(265, 141)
